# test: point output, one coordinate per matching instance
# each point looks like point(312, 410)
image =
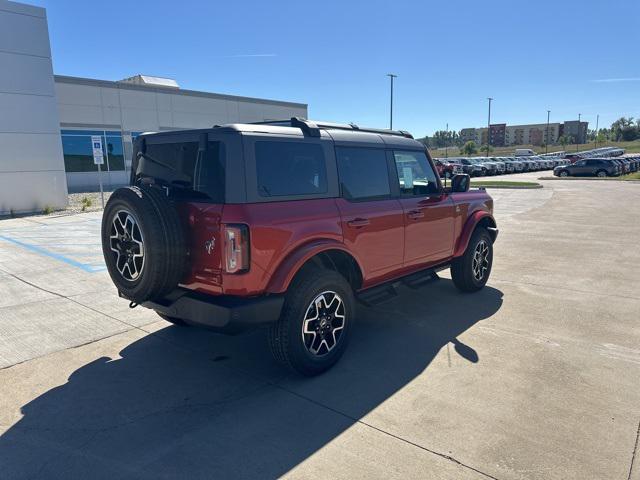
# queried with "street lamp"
point(546, 143)
point(391, 76)
point(578, 135)
point(596, 139)
point(489, 127)
point(446, 143)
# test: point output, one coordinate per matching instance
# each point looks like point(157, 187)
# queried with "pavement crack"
point(635, 450)
point(389, 434)
point(562, 287)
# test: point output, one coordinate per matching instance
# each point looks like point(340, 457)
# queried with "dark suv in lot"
point(287, 224)
point(588, 167)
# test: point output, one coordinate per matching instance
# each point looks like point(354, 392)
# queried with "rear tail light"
point(236, 248)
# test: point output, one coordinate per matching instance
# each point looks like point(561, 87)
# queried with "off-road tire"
point(462, 267)
point(176, 251)
point(285, 336)
point(164, 245)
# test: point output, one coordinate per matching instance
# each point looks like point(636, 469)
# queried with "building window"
point(78, 154)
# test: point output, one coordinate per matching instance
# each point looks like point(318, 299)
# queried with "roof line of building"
point(174, 91)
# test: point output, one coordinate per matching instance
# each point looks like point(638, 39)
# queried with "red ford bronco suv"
point(287, 224)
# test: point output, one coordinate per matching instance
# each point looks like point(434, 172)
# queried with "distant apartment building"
point(468, 135)
point(481, 136)
point(577, 130)
point(497, 134)
point(534, 134)
point(537, 134)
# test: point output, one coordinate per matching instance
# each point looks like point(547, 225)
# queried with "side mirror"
point(460, 183)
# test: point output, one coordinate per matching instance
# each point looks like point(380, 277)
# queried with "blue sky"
point(568, 56)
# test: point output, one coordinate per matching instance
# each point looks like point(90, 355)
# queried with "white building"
point(47, 121)
point(118, 111)
point(31, 165)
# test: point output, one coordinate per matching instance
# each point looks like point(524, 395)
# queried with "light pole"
point(446, 143)
point(578, 135)
point(489, 127)
point(546, 143)
point(596, 139)
point(391, 76)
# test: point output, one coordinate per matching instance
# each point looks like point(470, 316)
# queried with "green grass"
point(631, 176)
point(504, 183)
point(86, 202)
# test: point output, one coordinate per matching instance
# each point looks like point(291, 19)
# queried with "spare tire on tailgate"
point(143, 243)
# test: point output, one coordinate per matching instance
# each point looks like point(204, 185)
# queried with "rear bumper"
point(224, 314)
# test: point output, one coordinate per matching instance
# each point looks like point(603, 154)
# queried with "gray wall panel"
point(25, 74)
point(28, 113)
point(87, 114)
point(24, 34)
point(28, 152)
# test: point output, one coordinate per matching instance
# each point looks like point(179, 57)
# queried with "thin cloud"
point(616, 80)
point(251, 55)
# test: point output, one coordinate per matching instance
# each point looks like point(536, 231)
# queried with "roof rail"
point(313, 128)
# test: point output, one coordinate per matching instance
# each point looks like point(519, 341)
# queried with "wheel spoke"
point(127, 244)
point(323, 323)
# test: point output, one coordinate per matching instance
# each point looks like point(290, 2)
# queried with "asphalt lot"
point(536, 376)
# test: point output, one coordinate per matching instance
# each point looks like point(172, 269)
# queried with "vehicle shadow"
point(187, 403)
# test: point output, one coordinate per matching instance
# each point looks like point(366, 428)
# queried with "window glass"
point(415, 173)
point(115, 152)
point(78, 154)
point(200, 173)
point(210, 172)
point(172, 162)
point(290, 168)
point(363, 172)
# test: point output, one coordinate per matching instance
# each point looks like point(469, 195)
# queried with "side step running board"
point(385, 292)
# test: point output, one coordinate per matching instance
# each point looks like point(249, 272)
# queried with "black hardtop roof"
point(301, 127)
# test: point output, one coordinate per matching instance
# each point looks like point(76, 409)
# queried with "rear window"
point(290, 169)
point(199, 172)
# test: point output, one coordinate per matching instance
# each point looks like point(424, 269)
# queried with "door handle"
point(358, 222)
point(415, 214)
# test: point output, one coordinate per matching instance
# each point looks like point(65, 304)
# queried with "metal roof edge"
point(174, 91)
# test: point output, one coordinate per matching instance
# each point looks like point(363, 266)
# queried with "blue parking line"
point(56, 256)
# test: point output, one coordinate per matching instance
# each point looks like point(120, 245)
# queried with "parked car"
point(470, 167)
point(590, 167)
point(287, 225)
point(447, 168)
point(524, 152)
point(519, 164)
point(501, 167)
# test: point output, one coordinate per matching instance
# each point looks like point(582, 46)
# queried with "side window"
point(363, 173)
point(290, 168)
point(174, 162)
point(415, 173)
point(200, 173)
point(209, 177)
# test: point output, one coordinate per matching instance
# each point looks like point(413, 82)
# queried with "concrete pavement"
point(536, 376)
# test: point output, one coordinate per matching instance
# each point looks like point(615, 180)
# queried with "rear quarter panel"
point(276, 230)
